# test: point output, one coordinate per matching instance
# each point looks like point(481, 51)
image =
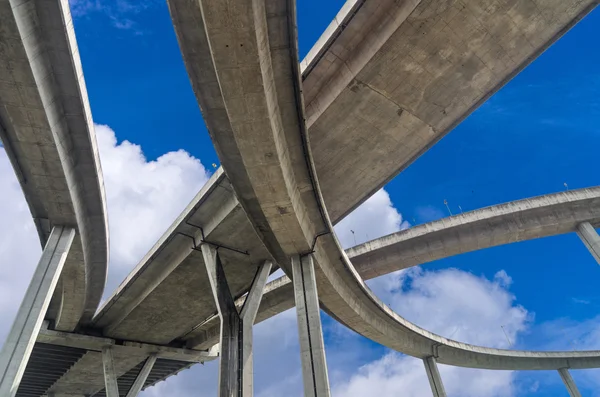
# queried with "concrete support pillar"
point(142, 376)
point(110, 377)
point(569, 383)
point(590, 238)
point(312, 347)
point(23, 334)
point(435, 380)
point(248, 315)
point(235, 367)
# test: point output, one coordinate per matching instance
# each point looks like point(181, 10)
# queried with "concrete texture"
point(242, 62)
point(569, 383)
point(310, 332)
point(388, 79)
point(47, 131)
point(590, 238)
point(110, 376)
point(28, 322)
point(433, 375)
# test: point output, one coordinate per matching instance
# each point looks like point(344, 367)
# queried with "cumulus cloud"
point(454, 304)
point(143, 197)
point(374, 218)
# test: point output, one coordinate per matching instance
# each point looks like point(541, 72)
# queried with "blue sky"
point(537, 133)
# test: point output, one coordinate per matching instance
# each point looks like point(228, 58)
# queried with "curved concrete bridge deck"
point(388, 79)
point(47, 131)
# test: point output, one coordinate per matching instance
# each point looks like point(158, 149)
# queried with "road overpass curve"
point(506, 223)
point(256, 144)
point(515, 221)
point(47, 131)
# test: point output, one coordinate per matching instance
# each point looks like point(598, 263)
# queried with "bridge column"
point(236, 374)
point(142, 376)
point(110, 377)
point(312, 347)
point(569, 383)
point(23, 334)
point(590, 238)
point(435, 380)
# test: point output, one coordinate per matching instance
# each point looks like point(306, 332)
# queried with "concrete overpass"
point(242, 64)
point(407, 73)
point(46, 129)
point(146, 307)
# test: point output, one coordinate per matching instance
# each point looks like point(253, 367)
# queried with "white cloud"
point(452, 303)
point(374, 218)
point(456, 304)
point(143, 198)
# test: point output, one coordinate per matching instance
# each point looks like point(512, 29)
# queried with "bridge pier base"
point(435, 380)
point(236, 373)
point(590, 238)
point(569, 383)
point(28, 322)
point(312, 347)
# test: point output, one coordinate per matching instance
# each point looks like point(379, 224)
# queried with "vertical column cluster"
point(236, 372)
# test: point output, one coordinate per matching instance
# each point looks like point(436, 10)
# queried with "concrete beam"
point(95, 343)
point(435, 380)
point(569, 383)
point(229, 366)
point(590, 238)
point(248, 315)
point(312, 347)
point(110, 376)
point(142, 376)
point(28, 322)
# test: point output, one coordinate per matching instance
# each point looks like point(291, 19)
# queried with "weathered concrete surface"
point(388, 79)
point(46, 129)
